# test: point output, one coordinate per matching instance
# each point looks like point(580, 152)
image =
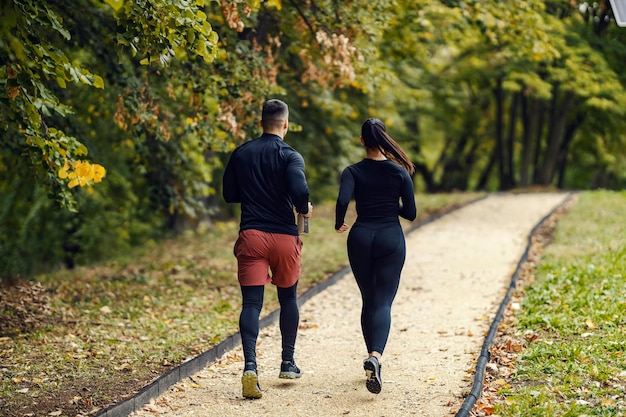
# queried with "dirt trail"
point(457, 272)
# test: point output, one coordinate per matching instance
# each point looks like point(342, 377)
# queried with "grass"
point(574, 363)
point(87, 338)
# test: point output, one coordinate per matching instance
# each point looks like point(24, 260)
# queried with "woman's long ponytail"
point(375, 136)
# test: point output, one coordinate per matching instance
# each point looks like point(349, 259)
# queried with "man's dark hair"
point(274, 113)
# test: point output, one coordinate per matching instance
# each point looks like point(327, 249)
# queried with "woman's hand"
point(343, 228)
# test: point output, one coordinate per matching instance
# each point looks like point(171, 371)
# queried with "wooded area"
point(117, 116)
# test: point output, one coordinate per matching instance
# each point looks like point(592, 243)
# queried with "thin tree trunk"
point(528, 127)
point(484, 176)
point(499, 151)
point(453, 177)
point(539, 128)
point(570, 132)
point(427, 176)
point(510, 148)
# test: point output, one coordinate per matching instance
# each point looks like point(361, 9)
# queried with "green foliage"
point(159, 31)
point(517, 85)
point(130, 108)
point(576, 307)
point(35, 51)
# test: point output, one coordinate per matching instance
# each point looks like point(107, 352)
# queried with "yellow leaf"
point(81, 150)
point(274, 3)
point(98, 172)
point(83, 169)
point(63, 171)
point(98, 82)
point(590, 324)
point(115, 4)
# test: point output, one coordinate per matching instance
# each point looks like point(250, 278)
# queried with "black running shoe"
point(289, 370)
point(250, 383)
point(372, 367)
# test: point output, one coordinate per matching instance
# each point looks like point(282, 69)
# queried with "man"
point(267, 177)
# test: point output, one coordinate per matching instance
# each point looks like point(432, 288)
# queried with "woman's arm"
point(346, 191)
point(408, 210)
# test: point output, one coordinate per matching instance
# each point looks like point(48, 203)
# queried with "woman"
point(382, 188)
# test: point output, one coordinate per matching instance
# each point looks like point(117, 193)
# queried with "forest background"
point(117, 117)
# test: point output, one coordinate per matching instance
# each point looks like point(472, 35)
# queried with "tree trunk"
point(499, 151)
point(484, 176)
point(453, 177)
point(427, 176)
point(540, 111)
point(529, 120)
point(558, 116)
point(570, 132)
point(510, 148)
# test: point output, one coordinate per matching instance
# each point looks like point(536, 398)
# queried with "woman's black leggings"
point(376, 253)
point(249, 320)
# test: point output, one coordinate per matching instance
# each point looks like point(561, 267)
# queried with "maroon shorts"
point(259, 252)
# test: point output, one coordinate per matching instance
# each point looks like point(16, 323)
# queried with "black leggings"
point(376, 253)
point(249, 320)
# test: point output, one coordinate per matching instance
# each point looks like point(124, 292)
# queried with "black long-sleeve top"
point(267, 177)
point(382, 191)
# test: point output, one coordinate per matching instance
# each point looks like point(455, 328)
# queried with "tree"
point(171, 100)
point(34, 54)
point(505, 85)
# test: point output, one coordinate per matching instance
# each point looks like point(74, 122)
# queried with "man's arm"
point(230, 189)
point(296, 183)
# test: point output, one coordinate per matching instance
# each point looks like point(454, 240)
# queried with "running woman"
point(382, 188)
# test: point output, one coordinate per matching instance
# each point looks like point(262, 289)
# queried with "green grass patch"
point(109, 329)
point(577, 307)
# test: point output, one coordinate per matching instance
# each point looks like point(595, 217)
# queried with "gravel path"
point(457, 272)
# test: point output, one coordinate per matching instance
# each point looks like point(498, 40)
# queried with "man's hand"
point(310, 213)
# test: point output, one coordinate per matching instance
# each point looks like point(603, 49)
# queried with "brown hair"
point(375, 136)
